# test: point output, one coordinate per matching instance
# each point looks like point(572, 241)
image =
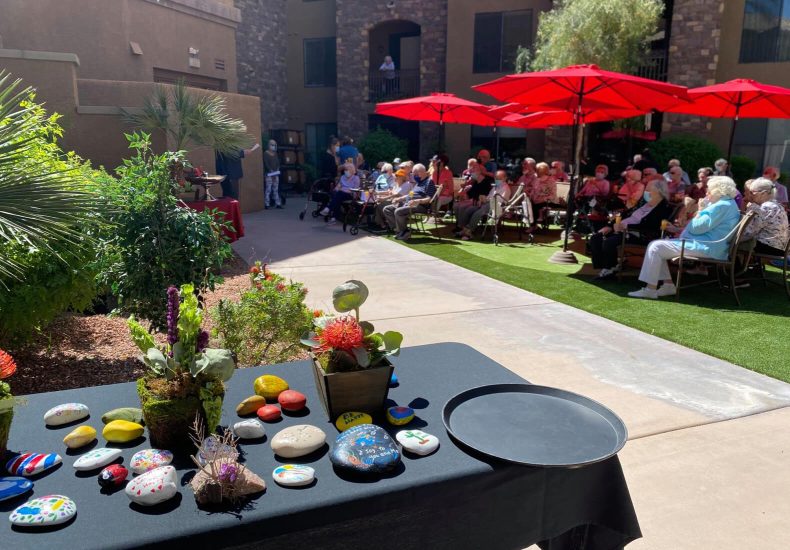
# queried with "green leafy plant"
point(189, 118)
point(692, 152)
point(155, 241)
point(343, 343)
point(266, 324)
point(743, 168)
point(382, 145)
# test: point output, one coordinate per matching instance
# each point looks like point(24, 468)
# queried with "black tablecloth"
point(450, 499)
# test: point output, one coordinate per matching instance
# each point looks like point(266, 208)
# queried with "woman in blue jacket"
point(718, 214)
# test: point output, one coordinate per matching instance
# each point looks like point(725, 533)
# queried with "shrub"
point(743, 168)
point(266, 324)
point(692, 152)
point(382, 145)
point(155, 242)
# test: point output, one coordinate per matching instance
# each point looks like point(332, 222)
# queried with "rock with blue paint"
point(293, 475)
point(30, 464)
point(148, 459)
point(65, 414)
point(158, 485)
point(96, 458)
point(417, 441)
point(44, 512)
point(400, 416)
point(213, 449)
point(367, 448)
point(394, 380)
point(11, 487)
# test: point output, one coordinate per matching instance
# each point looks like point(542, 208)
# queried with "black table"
point(450, 499)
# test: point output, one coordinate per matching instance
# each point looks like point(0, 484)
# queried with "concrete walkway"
point(707, 457)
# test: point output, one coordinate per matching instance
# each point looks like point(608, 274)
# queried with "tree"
point(613, 34)
point(190, 119)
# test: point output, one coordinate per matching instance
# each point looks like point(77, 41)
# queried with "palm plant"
point(44, 198)
point(191, 119)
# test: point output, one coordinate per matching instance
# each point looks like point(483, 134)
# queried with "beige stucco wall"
point(99, 33)
point(94, 127)
point(460, 78)
point(308, 105)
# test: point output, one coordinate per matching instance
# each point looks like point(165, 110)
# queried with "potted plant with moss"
point(185, 378)
point(350, 361)
point(7, 368)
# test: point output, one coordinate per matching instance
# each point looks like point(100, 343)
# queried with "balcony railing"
point(655, 66)
point(405, 84)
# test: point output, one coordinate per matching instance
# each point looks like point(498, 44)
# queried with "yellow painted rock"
point(79, 436)
point(250, 405)
point(270, 386)
point(121, 431)
point(350, 419)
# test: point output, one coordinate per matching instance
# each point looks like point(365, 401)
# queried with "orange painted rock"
point(292, 400)
point(269, 413)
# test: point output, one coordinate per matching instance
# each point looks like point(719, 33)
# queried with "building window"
point(497, 38)
point(766, 31)
point(764, 141)
point(320, 67)
point(317, 136)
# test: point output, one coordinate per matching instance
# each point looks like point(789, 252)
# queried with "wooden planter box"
point(358, 391)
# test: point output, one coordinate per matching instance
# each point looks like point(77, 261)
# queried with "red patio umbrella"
point(739, 98)
point(545, 119)
point(579, 89)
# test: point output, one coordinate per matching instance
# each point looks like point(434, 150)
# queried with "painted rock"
point(298, 440)
point(158, 485)
point(113, 476)
point(79, 437)
point(148, 459)
point(293, 475)
point(213, 449)
point(399, 416)
point(269, 413)
point(249, 429)
point(130, 414)
point(394, 380)
point(44, 511)
point(250, 405)
point(417, 441)
point(351, 419)
point(66, 413)
point(11, 487)
point(96, 458)
point(292, 400)
point(269, 386)
point(121, 431)
point(365, 448)
point(30, 464)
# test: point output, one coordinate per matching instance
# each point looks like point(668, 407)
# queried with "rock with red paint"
point(113, 475)
point(292, 400)
point(30, 464)
point(269, 413)
point(158, 485)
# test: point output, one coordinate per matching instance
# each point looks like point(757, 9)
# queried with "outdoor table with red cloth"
point(228, 210)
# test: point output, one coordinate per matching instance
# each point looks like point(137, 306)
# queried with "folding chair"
point(761, 257)
point(499, 208)
point(632, 249)
point(729, 265)
point(419, 218)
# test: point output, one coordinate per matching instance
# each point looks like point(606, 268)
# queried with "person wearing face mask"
point(704, 236)
point(630, 193)
point(230, 167)
point(329, 164)
point(597, 186)
point(271, 170)
point(417, 201)
point(469, 217)
point(342, 192)
point(528, 175)
point(642, 226)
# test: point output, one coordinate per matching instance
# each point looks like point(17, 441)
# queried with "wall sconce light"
point(194, 62)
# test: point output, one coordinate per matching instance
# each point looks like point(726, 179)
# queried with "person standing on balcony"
point(387, 70)
point(271, 169)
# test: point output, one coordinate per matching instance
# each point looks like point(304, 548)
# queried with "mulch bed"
point(78, 351)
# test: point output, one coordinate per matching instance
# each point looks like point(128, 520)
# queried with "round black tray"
point(534, 425)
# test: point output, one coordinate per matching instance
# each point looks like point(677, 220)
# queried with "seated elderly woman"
point(642, 226)
point(400, 188)
point(386, 178)
point(348, 182)
point(630, 193)
point(542, 191)
point(416, 202)
point(470, 216)
point(705, 237)
point(769, 225)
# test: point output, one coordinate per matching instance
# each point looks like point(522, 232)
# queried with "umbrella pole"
point(496, 137)
point(564, 256)
point(732, 138)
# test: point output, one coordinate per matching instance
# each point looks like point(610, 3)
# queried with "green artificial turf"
point(755, 335)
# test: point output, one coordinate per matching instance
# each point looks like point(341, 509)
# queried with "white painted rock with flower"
point(148, 459)
point(251, 428)
point(44, 512)
point(96, 458)
point(65, 414)
point(158, 485)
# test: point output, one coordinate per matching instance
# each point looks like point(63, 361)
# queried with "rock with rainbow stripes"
point(30, 464)
point(44, 511)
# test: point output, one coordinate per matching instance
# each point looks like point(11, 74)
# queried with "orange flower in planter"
point(7, 365)
point(343, 333)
